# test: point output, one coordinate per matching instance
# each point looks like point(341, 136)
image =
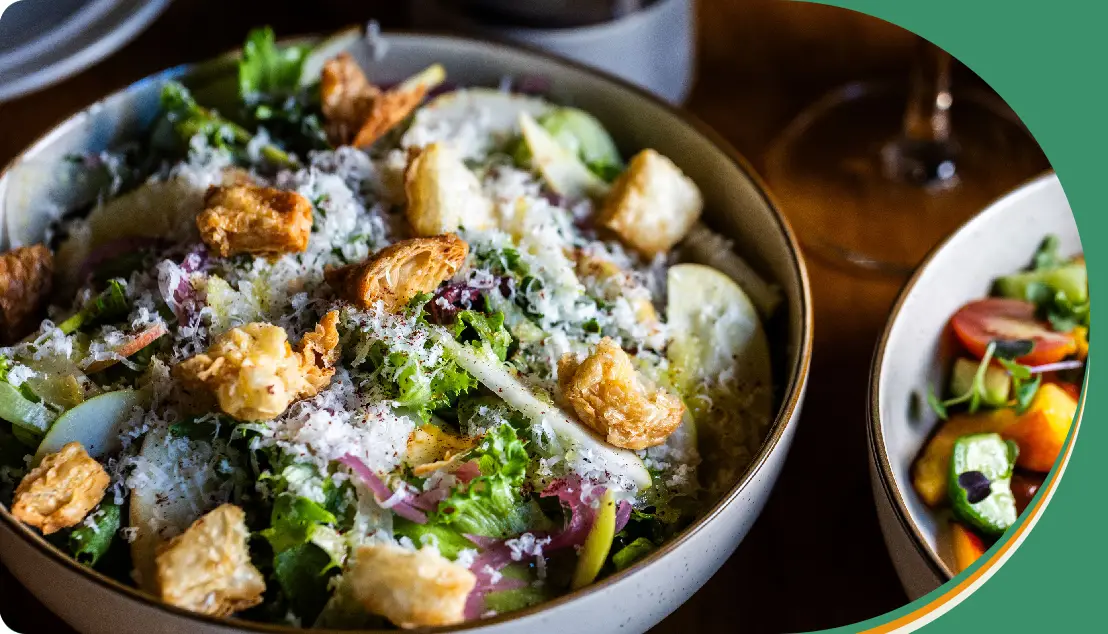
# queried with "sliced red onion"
point(397, 502)
point(494, 558)
point(581, 514)
point(482, 542)
point(467, 471)
point(429, 500)
point(623, 515)
point(1059, 366)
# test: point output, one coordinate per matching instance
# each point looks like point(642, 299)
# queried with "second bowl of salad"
point(977, 383)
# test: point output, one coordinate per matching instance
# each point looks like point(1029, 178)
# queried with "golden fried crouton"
point(410, 588)
point(61, 491)
point(25, 280)
point(394, 105)
point(609, 396)
point(443, 194)
point(254, 372)
point(652, 205)
point(319, 351)
point(430, 448)
point(207, 568)
point(251, 219)
point(357, 112)
point(346, 97)
point(400, 271)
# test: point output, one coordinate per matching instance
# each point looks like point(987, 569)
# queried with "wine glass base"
point(830, 170)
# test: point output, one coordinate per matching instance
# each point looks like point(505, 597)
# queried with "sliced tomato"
point(980, 322)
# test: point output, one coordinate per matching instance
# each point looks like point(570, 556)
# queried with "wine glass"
point(873, 175)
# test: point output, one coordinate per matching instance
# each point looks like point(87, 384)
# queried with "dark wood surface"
point(815, 558)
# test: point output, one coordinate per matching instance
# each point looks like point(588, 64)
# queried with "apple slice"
point(129, 347)
point(563, 172)
point(95, 424)
point(716, 333)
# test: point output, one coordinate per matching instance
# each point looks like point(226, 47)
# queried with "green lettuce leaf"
point(492, 504)
point(448, 540)
point(474, 326)
point(303, 573)
point(293, 520)
point(268, 69)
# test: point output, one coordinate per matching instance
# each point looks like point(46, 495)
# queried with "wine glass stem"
point(927, 117)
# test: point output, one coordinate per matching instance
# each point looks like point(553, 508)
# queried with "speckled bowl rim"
point(875, 433)
point(786, 414)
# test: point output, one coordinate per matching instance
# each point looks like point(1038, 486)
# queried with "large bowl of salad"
point(977, 384)
point(387, 331)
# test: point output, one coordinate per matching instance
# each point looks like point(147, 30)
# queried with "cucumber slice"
point(95, 424)
point(1071, 279)
point(997, 383)
point(326, 50)
point(980, 482)
point(491, 373)
point(563, 172)
point(597, 544)
point(716, 333)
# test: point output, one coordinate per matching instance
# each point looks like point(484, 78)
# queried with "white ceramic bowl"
point(41, 180)
point(913, 351)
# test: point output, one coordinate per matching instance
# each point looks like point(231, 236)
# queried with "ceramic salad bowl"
point(42, 182)
point(917, 349)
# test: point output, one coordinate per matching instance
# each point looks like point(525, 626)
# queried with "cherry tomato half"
point(977, 323)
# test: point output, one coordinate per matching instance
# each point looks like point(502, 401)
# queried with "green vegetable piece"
point(980, 482)
point(190, 119)
point(492, 504)
point(1047, 256)
point(994, 388)
point(111, 304)
point(506, 601)
point(595, 551)
point(489, 329)
point(303, 572)
point(88, 543)
point(23, 413)
point(449, 541)
point(268, 69)
point(1072, 280)
point(584, 135)
point(293, 520)
point(632, 552)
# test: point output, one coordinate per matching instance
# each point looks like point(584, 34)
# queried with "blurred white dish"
point(45, 41)
point(652, 47)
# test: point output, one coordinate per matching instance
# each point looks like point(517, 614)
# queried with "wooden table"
point(815, 558)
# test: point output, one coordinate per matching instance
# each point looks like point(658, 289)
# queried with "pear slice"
point(563, 172)
point(717, 336)
point(94, 423)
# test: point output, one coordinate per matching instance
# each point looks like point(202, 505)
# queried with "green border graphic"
point(1046, 60)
